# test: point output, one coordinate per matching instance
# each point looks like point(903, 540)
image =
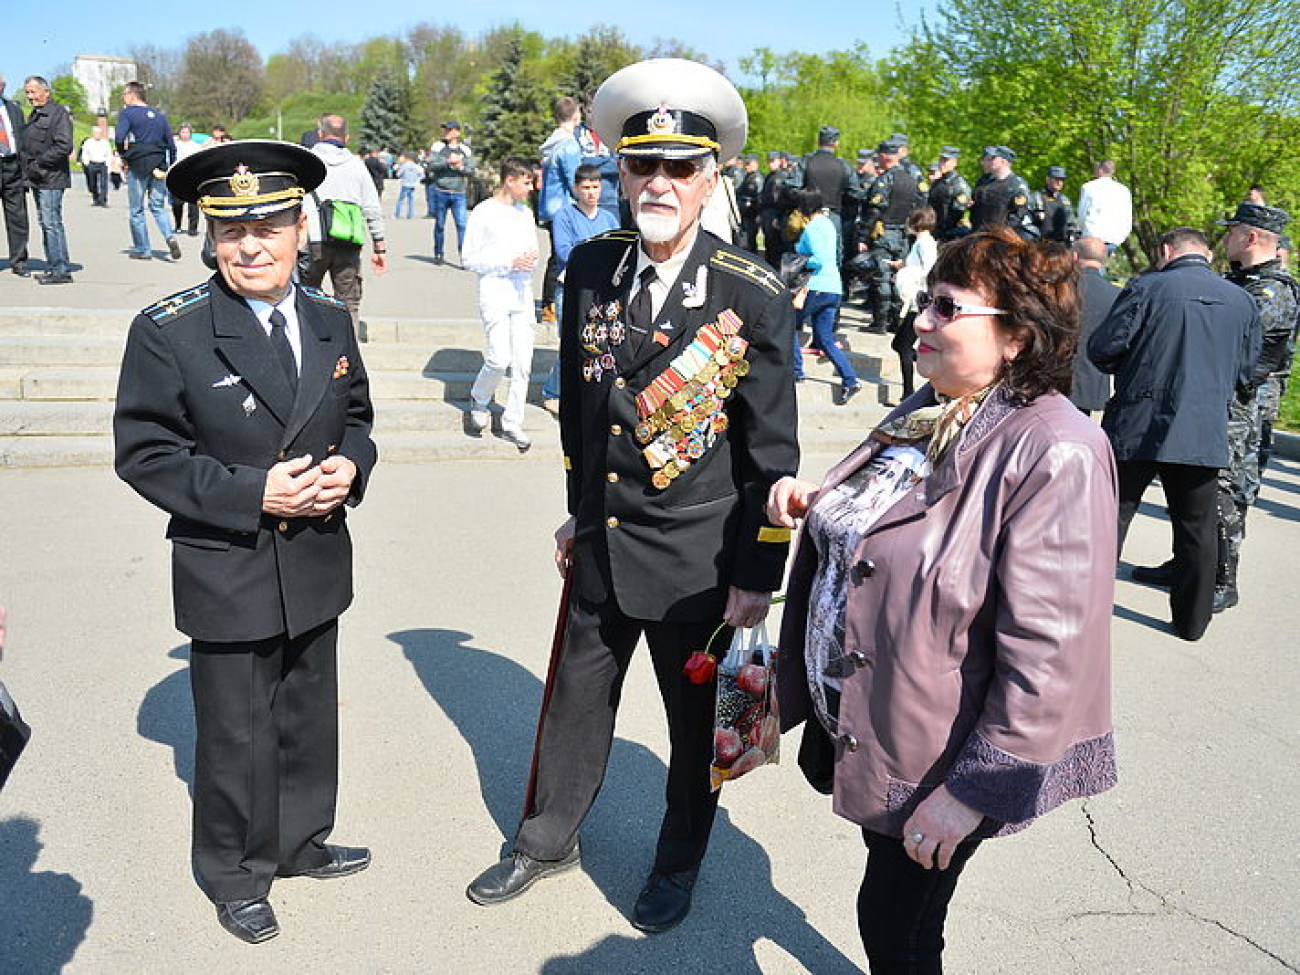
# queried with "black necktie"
point(283, 350)
point(640, 311)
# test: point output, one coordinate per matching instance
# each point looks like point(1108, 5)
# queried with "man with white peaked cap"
point(677, 413)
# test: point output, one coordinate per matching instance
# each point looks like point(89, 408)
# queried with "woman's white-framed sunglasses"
point(946, 309)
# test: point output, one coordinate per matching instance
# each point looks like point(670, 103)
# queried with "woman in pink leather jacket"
point(947, 629)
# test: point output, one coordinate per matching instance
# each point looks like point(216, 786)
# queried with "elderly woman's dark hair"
point(808, 200)
point(1034, 283)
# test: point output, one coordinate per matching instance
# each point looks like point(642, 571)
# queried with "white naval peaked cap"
point(670, 107)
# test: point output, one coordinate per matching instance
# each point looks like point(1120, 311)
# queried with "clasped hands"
point(297, 489)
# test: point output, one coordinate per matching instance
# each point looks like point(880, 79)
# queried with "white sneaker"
point(518, 438)
point(477, 419)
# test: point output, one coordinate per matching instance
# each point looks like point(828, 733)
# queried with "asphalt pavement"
point(1191, 865)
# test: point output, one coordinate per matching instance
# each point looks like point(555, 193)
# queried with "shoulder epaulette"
point(619, 236)
point(744, 267)
point(178, 304)
point(321, 297)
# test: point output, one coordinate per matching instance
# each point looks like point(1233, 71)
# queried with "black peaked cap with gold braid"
point(246, 180)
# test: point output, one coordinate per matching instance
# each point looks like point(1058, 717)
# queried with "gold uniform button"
point(282, 455)
point(620, 382)
point(611, 522)
point(332, 447)
point(283, 526)
point(612, 477)
point(616, 429)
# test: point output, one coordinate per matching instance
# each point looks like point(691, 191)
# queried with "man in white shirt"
point(501, 248)
point(1106, 207)
point(96, 151)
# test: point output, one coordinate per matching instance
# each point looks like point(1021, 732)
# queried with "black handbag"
point(794, 271)
point(14, 734)
point(817, 757)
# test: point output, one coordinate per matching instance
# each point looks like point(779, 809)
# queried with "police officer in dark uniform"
point(678, 415)
point(882, 223)
point(1001, 195)
point(865, 171)
point(906, 162)
point(950, 198)
point(832, 176)
point(1051, 211)
point(748, 191)
point(774, 205)
point(243, 411)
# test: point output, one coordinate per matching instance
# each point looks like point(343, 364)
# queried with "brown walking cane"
point(557, 651)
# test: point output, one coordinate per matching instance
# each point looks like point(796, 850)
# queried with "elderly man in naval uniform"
point(243, 411)
point(678, 413)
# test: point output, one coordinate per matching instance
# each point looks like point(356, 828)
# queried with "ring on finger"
point(917, 838)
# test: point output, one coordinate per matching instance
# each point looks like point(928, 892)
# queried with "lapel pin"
point(226, 381)
point(249, 405)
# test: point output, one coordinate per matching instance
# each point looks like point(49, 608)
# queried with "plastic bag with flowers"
point(746, 728)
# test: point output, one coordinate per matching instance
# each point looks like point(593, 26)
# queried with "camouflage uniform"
point(1277, 295)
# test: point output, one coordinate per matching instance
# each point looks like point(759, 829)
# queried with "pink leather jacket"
point(978, 620)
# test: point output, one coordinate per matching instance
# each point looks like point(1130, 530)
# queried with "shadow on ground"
point(493, 702)
point(44, 916)
point(166, 716)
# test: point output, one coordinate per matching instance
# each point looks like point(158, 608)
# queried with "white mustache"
point(666, 199)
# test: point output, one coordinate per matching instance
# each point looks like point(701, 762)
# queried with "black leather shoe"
point(54, 277)
point(1154, 575)
point(21, 269)
point(174, 248)
point(344, 860)
point(1225, 597)
point(252, 921)
point(664, 902)
point(512, 876)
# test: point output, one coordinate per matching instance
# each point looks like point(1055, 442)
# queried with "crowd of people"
point(941, 706)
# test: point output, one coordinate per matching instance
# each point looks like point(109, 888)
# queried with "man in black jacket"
point(46, 144)
point(1097, 296)
point(243, 411)
point(13, 185)
point(833, 177)
point(1181, 343)
point(678, 415)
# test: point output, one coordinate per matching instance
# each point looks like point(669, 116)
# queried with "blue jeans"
point(551, 388)
point(820, 307)
point(442, 202)
point(406, 194)
point(141, 190)
point(49, 209)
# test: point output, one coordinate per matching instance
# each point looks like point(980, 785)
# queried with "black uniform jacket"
point(669, 553)
point(203, 411)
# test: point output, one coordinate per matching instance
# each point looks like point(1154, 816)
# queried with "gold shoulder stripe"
point(568, 464)
point(775, 535)
point(749, 270)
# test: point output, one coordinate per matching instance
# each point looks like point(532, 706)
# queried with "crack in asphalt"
point(1134, 886)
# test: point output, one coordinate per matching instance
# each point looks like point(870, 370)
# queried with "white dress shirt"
point(289, 310)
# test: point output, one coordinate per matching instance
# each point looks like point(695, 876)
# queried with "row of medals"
point(680, 431)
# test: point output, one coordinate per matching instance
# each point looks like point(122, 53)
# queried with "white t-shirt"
point(1106, 210)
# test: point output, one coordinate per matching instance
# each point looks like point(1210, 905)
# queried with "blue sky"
point(40, 39)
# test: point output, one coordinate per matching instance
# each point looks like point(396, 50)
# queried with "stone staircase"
point(58, 377)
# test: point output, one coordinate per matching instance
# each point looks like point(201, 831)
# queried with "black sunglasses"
point(946, 309)
point(683, 169)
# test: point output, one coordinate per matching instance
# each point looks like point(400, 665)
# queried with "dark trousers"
point(1191, 495)
point(179, 210)
point(343, 264)
point(902, 907)
point(579, 730)
point(551, 276)
point(265, 759)
point(904, 343)
point(97, 183)
point(13, 196)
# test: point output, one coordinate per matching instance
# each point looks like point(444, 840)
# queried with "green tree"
point(220, 79)
point(1193, 99)
point(799, 93)
point(581, 66)
point(70, 92)
point(386, 115)
point(515, 117)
